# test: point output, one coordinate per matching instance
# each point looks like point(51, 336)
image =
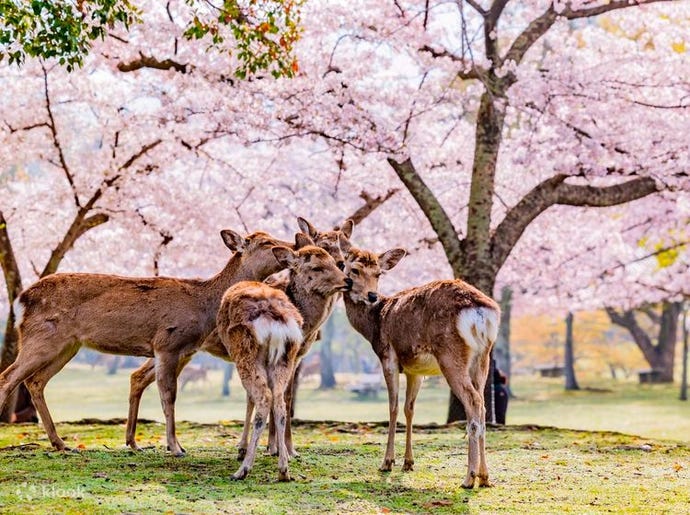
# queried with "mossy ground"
point(535, 470)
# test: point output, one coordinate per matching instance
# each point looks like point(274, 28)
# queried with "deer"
point(160, 317)
point(145, 374)
point(444, 327)
point(265, 329)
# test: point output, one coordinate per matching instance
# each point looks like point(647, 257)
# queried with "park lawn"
point(535, 470)
point(652, 411)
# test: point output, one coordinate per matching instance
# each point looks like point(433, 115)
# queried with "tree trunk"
point(660, 356)
point(684, 375)
point(502, 347)
point(570, 380)
point(228, 369)
point(326, 355)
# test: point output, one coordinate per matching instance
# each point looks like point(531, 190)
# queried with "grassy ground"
point(650, 411)
point(534, 470)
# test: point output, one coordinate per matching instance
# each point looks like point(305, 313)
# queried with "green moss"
point(536, 470)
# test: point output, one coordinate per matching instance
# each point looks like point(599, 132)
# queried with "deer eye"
point(318, 269)
point(355, 271)
point(340, 265)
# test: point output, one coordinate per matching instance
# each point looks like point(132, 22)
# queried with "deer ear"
point(307, 228)
point(390, 258)
point(347, 227)
point(284, 256)
point(232, 240)
point(344, 243)
point(302, 240)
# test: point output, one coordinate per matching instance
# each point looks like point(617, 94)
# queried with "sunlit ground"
point(653, 411)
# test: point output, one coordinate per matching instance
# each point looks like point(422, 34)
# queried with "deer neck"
point(314, 307)
point(365, 318)
point(235, 270)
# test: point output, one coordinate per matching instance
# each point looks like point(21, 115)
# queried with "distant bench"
point(551, 371)
point(650, 376)
point(367, 385)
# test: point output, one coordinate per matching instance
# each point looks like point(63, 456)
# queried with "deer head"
point(256, 251)
point(329, 240)
point(365, 269)
point(313, 269)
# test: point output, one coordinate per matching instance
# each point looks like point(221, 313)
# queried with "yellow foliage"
point(678, 47)
point(539, 341)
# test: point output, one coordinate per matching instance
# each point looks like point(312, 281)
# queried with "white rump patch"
point(275, 335)
point(18, 309)
point(478, 327)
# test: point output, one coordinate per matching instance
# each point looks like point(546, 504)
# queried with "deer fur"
point(145, 374)
point(443, 327)
point(159, 317)
point(259, 326)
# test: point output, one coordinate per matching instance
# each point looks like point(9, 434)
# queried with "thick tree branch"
point(536, 29)
point(145, 61)
point(540, 26)
point(80, 224)
point(370, 204)
point(627, 320)
point(10, 270)
point(429, 204)
point(573, 14)
point(555, 190)
point(491, 30)
point(13, 283)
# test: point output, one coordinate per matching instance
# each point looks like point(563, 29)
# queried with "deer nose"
point(372, 296)
point(348, 283)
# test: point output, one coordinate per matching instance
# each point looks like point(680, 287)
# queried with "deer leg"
point(256, 384)
point(31, 358)
point(413, 385)
point(480, 377)
point(244, 439)
point(272, 448)
point(140, 379)
point(290, 392)
point(166, 377)
point(37, 383)
point(392, 377)
point(281, 382)
point(455, 370)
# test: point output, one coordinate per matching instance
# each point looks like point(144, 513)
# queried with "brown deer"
point(443, 327)
point(264, 330)
point(162, 317)
point(145, 374)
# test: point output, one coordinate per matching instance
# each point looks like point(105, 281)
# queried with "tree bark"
point(326, 355)
point(570, 379)
point(13, 283)
point(502, 346)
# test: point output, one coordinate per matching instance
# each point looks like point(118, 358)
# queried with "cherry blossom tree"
point(494, 116)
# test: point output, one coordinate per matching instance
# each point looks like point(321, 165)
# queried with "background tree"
point(259, 35)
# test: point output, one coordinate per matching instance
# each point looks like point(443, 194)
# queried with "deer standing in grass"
point(160, 317)
point(264, 330)
point(443, 327)
point(145, 374)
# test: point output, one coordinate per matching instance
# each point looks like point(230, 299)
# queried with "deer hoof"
point(134, 446)
point(484, 482)
point(468, 483)
point(408, 466)
point(386, 466)
point(284, 475)
point(240, 474)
